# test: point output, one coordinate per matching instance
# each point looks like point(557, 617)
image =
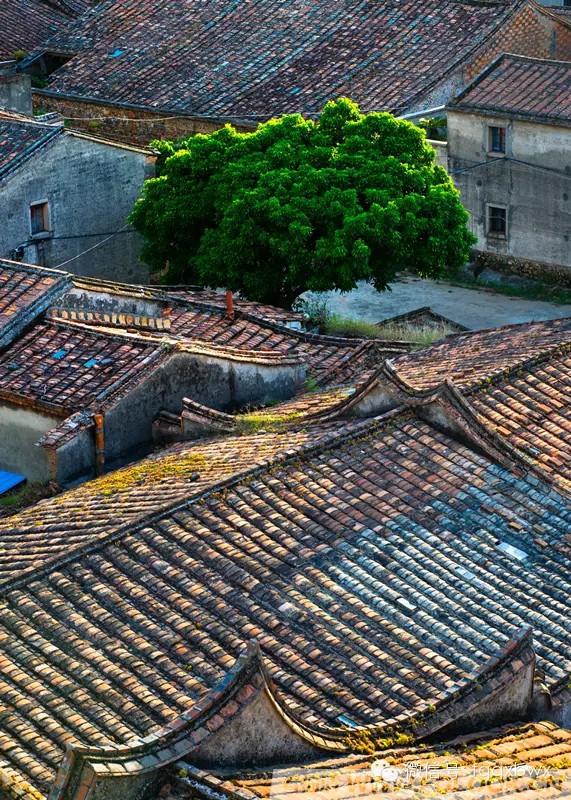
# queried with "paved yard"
point(471, 307)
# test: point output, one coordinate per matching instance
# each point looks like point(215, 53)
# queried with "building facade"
point(509, 153)
point(65, 197)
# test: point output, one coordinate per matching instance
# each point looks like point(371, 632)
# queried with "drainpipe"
point(99, 420)
point(229, 305)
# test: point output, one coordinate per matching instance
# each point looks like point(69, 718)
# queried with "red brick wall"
point(532, 32)
point(123, 124)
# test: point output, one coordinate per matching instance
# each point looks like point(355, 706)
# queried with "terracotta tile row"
point(260, 59)
point(379, 573)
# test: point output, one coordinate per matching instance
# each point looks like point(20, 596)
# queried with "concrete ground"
point(473, 308)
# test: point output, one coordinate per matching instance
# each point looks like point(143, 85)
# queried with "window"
point(39, 218)
point(497, 220)
point(496, 140)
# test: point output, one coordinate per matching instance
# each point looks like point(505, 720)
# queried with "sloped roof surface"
point(472, 357)
point(331, 360)
point(21, 289)
point(18, 137)
point(388, 549)
point(24, 24)
point(460, 766)
point(531, 409)
point(260, 59)
point(67, 367)
point(100, 508)
point(525, 86)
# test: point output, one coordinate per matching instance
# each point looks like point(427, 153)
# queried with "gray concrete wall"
point(219, 383)
point(20, 429)
point(537, 197)
point(91, 188)
point(441, 152)
point(214, 382)
point(16, 93)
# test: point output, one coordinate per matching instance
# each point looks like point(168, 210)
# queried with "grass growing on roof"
point(258, 421)
point(182, 465)
point(27, 495)
point(415, 332)
point(336, 325)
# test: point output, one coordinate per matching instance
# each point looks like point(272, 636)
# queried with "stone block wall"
point(125, 124)
point(536, 270)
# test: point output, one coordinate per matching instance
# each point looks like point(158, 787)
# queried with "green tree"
point(298, 205)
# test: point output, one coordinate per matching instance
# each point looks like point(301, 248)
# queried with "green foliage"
point(26, 495)
point(19, 55)
point(434, 127)
point(301, 205)
point(38, 82)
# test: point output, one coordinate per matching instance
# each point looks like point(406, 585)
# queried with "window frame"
point(47, 219)
point(493, 207)
point(490, 136)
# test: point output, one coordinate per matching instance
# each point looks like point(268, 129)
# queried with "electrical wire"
point(95, 246)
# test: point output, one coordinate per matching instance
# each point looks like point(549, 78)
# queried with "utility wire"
point(79, 255)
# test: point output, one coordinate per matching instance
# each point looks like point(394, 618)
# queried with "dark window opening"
point(497, 142)
point(39, 218)
point(497, 220)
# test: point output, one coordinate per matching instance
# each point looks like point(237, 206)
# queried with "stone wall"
point(124, 123)
point(91, 187)
point(535, 270)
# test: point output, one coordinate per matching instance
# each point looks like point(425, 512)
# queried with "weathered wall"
point(126, 124)
point(20, 429)
point(76, 458)
point(80, 300)
point(259, 735)
point(537, 197)
point(15, 93)
point(441, 152)
point(216, 382)
point(531, 32)
point(91, 188)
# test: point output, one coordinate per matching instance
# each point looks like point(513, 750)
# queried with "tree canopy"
point(302, 205)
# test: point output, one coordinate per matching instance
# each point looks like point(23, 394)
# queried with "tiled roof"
point(24, 292)
point(300, 411)
point(24, 24)
point(65, 368)
point(105, 506)
point(407, 557)
point(331, 360)
point(261, 59)
point(197, 296)
point(472, 357)
point(530, 408)
point(463, 765)
point(20, 136)
point(529, 87)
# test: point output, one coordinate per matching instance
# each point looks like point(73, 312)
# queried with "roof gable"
point(528, 87)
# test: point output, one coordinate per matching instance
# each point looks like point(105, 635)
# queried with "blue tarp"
point(8, 480)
